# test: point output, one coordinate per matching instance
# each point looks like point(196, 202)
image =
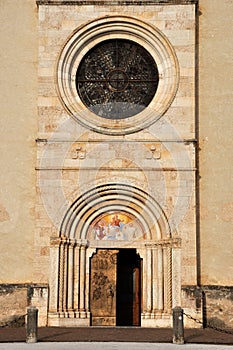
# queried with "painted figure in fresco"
point(129, 231)
point(116, 221)
point(100, 229)
point(116, 228)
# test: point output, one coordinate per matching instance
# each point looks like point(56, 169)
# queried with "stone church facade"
point(120, 221)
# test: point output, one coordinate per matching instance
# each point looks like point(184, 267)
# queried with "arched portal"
point(109, 220)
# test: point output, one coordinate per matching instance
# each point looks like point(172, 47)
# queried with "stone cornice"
point(116, 2)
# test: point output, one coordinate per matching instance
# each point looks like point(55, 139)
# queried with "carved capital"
point(64, 240)
point(55, 242)
point(177, 242)
point(71, 242)
point(83, 243)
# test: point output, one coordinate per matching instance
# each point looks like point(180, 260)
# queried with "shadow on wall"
point(215, 302)
point(14, 300)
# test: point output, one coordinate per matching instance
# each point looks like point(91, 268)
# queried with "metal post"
point(178, 326)
point(32, 320)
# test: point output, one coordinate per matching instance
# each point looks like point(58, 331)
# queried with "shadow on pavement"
point(116, 334)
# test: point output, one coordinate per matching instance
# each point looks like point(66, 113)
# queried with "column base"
point(153, 319)
point(69, 319)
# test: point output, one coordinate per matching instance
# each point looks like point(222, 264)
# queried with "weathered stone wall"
point(215, 305)
point(18, 124)
point(215, 133)
point(18, 99)
point(73, 159)
point(64, 173)
point(218, 306)
point(14, 300)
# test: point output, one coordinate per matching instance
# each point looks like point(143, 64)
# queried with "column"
point(165, 275)
point(82, 280)
point(65, 279)
point(167, 267)
point(77, 277)
point(149, 281)
point(61, 276)
point(155, 278)
point(169, 278)
point(53, 277)
point(160, 278)
point(70, 292)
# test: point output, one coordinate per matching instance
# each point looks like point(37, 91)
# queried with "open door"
point(103, 287)
point(128, 301)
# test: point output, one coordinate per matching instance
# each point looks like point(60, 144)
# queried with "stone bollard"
point(32, 320)
point(178, 326)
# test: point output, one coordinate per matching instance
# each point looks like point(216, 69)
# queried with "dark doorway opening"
point(128, 304)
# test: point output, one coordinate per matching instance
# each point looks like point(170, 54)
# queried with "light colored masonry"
point(141, 167)
point(88, 196)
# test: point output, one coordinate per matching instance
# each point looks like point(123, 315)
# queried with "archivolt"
point(121, 197)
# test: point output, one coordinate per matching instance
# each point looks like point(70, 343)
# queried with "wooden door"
point(103, 287)
point(136, 296)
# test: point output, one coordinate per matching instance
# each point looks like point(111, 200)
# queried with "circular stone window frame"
point(117, 27)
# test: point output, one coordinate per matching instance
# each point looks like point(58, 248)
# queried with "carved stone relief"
point(103, 287)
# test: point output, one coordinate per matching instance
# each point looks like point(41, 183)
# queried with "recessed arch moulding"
point(115, 197)
point(114, 216)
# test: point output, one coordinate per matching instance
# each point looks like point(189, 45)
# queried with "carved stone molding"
point(172, 242)
point(116, 2)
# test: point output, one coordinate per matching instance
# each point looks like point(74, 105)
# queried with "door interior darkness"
point(128, 304)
